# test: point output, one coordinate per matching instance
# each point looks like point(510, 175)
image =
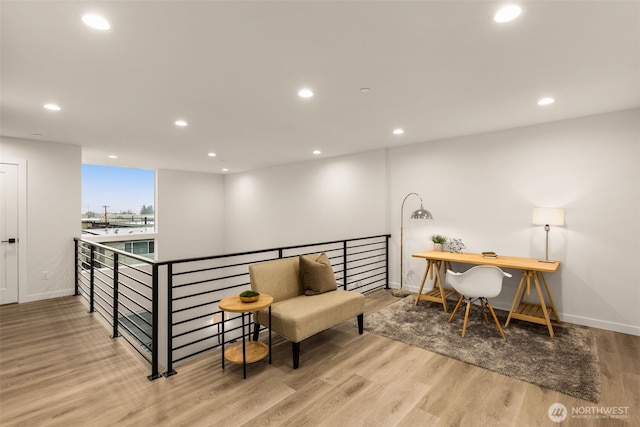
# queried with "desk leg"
point(516, 298)
point(553, 304)
point(442, 294)
point(424, 279)
point(543, 305)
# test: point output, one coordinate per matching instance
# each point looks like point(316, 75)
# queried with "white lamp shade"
point(548, 216)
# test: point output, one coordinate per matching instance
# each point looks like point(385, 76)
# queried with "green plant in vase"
point(438, 242)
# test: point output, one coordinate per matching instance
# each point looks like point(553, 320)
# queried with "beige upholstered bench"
point(305, 298)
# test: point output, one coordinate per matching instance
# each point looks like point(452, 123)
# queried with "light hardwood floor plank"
point(59, 367)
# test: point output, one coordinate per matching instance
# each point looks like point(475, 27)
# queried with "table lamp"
point(548, 217)
point(421, 213)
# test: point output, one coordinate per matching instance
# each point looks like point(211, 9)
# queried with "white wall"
point(315, 201)
point(53, 209)
point(189, 214)
point(479, 188)
point(482, 188)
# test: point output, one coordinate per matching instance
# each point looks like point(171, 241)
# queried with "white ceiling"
point(232, 70)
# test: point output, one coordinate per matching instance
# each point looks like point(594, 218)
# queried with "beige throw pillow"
point(317, 275)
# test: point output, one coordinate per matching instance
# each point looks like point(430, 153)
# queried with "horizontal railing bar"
point(350, 254)
point(190, 331)
point(367, 245)
point(364, 271)
point(364, 286)
point(118, 251)
point(199, 282)
point(206, 338)
point(96, 302)
point(375, 257)
point(195, 306)
point(134, 279)
point(138, 347)
point(210, 292)
point(135, 291)
point(191, 319)
point(204, 350)
point(133, 267)
point(126, 328)
point(130, 309)
point(368, 277)
point(261, 251)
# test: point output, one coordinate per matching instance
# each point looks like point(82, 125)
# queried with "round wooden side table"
point(251, 351)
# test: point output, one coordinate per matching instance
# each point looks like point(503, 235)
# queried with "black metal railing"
point(124, 289)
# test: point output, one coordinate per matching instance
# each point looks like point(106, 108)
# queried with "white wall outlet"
point(44, 275)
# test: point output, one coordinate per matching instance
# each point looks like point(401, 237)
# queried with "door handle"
point(11, 240)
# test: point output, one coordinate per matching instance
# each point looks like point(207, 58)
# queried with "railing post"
point(115, 295)
point(170, 371)
point(75, 267)
point(386, 252)
point(344, 263)
point(154, 325)
point(92, 279)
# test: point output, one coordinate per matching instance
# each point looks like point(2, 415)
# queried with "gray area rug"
point(567, 363)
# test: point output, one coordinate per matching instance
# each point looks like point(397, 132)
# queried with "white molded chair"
point(477, 284)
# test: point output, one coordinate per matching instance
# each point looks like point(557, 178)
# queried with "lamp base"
point(549, 261)
point(400, 293)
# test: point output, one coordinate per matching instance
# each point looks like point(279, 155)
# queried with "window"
point(140, 247)
point(117, 200)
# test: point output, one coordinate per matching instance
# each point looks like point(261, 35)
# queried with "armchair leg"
point(295, 351)
point(360, 323)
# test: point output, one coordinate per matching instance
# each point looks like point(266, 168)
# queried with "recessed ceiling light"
point(316, 152)
point(365, 90)
point(96, 21)
point(305, 93)
point(180, 123)
point(507, 13)
point(546, 101)
point(52, 107)
point(225, 170)
point(398, 131)
point(211, 154)
point(112, 156)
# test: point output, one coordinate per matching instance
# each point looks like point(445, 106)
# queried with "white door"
point(8, 233)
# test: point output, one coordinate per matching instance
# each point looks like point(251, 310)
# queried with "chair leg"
point(466, 317)
point(484, 309)
point(495, 318)
point(361, 323)
point(455, 310)
point(295, 351)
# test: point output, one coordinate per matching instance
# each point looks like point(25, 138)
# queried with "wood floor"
point(58, 367)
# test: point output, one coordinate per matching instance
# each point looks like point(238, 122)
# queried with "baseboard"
point(48, 295)
point(568, 318)
point(601, 324)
